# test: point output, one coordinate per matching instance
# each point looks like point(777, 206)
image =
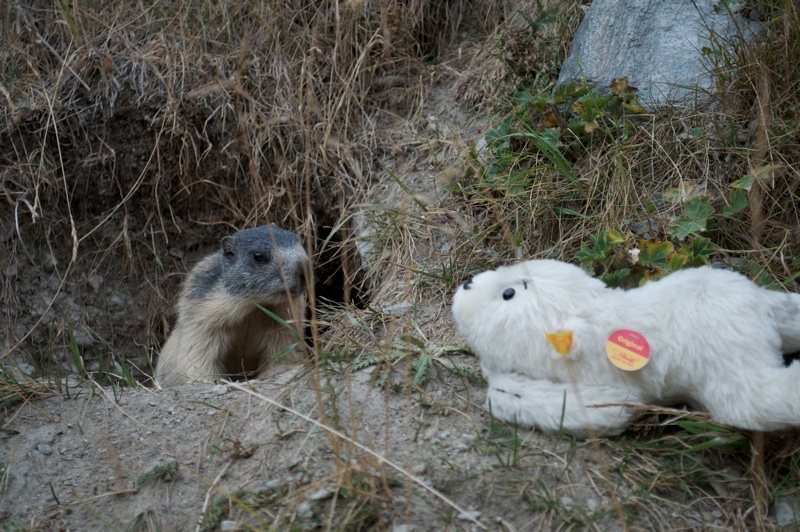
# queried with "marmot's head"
point(264, 264)
point(512, 306)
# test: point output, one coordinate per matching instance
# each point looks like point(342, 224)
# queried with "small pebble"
point(304, 510)
point(220, 389)
point(273, 484)
point(228, 525)
point(786, 511)
point(27, 369)
point(49, 262)
point(95, 281)
point(82, 337)
point(472, 515)
point(320, 495)
point(568, 502)
point(44, 448)
point(397, 309)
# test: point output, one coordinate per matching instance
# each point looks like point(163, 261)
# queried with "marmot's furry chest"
point(251, 339)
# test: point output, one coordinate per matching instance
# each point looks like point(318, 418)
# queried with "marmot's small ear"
point(229, 247)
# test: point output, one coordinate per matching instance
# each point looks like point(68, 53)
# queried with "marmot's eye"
point(260, 257)
point(508, 293)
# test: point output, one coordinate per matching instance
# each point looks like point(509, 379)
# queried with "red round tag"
point(628, 350)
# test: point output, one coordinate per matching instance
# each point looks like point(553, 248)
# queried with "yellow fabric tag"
point(561, 342)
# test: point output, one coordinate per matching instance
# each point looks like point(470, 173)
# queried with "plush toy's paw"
point(557, 407)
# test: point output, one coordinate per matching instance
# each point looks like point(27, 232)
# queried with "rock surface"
point(658, 45)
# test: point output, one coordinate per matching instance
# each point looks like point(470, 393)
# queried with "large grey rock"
point(657, 44)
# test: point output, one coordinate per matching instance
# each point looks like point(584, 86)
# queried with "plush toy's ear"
point(566, 342)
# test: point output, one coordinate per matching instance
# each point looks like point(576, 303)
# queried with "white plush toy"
point(553, 341)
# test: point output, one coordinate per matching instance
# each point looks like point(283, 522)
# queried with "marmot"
point(553, 341)
point(220, 331)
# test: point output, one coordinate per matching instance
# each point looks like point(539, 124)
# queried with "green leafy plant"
point(697, 211)
point(571, 120)
point(622, 260)
point(503, 442)
point(163, 473)
point(424, 356)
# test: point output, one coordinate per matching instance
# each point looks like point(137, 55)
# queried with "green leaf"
point(423, 366)
point(416, 342)
point(614, 279)
point(654, 254)
point(283, 323)
point(696, 213)
point(547, 143)
point(615, 237)
point(568, 211)
point(682, 227)
point(497, 138)
point(77, 359)
point(679, 193)
point(745, 183)
point(677, 261)
point(699, 251)
point(634, 107)
point(738, 203)
point(698, 208)
point(521, 98)
point(587, 256)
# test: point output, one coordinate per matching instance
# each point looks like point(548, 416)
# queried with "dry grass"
point(133, 137)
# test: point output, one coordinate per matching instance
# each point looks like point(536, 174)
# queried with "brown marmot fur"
point(220, 331)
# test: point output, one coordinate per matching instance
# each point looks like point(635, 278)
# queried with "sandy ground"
point(82, 463)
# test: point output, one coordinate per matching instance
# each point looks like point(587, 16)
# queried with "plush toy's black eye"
point(508, 293)
point(468, 284)
point(260, 257)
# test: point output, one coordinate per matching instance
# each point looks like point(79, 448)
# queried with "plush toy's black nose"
point(508, 293)
point(467, 284)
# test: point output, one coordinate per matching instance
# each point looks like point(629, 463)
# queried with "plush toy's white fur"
point(716, 343)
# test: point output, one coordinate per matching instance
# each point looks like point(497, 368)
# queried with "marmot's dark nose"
point(467, 284)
